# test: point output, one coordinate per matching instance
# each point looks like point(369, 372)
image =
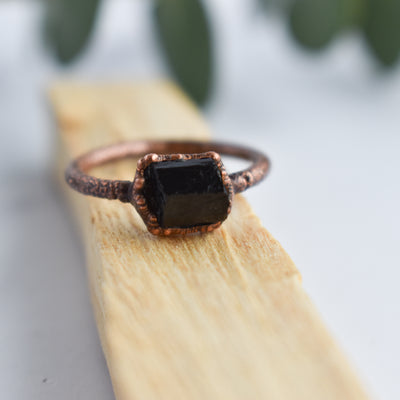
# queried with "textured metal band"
point(77, 177)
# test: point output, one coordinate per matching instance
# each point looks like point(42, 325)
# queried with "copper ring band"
point(77, 177)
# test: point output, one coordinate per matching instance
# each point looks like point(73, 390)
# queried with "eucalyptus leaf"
point(185, 37)
point(68, 24)
point(382, 29)
point(314, 23)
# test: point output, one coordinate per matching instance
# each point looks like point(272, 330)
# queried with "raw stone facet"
point(186, 193)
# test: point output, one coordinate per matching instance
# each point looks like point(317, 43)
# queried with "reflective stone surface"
point(186, 193)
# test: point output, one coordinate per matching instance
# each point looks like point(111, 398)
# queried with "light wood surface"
point(216, 316)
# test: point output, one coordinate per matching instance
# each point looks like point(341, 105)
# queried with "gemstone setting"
point(181, 193)
point(186, 193)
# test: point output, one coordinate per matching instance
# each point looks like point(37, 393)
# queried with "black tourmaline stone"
point(184, 194)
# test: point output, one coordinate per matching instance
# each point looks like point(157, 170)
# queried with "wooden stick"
point(214, 316)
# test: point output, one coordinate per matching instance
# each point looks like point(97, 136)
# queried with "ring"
point(179, 187)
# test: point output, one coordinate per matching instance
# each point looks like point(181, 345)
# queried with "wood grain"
point(216, 316)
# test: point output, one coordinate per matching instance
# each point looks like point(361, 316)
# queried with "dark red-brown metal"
point(127, 191)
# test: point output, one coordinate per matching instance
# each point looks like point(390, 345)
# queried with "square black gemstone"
point(186, 193)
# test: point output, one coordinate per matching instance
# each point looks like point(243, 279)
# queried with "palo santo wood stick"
point(213, 316)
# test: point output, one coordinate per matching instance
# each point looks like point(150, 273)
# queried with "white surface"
point(331, 126)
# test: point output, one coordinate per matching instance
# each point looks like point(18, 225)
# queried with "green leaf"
point(68, 24)
point(184, 34)
point(314, 23)
point(382, 29)
point(352, 12)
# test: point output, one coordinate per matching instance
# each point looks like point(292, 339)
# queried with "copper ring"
point(155, 152)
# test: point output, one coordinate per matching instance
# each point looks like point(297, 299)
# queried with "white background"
point(331, 125)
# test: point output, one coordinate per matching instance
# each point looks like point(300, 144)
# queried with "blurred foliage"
point(185, 37)
point(183, 30)
point(382, 29)
point(68, 25)
point(316, 23)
